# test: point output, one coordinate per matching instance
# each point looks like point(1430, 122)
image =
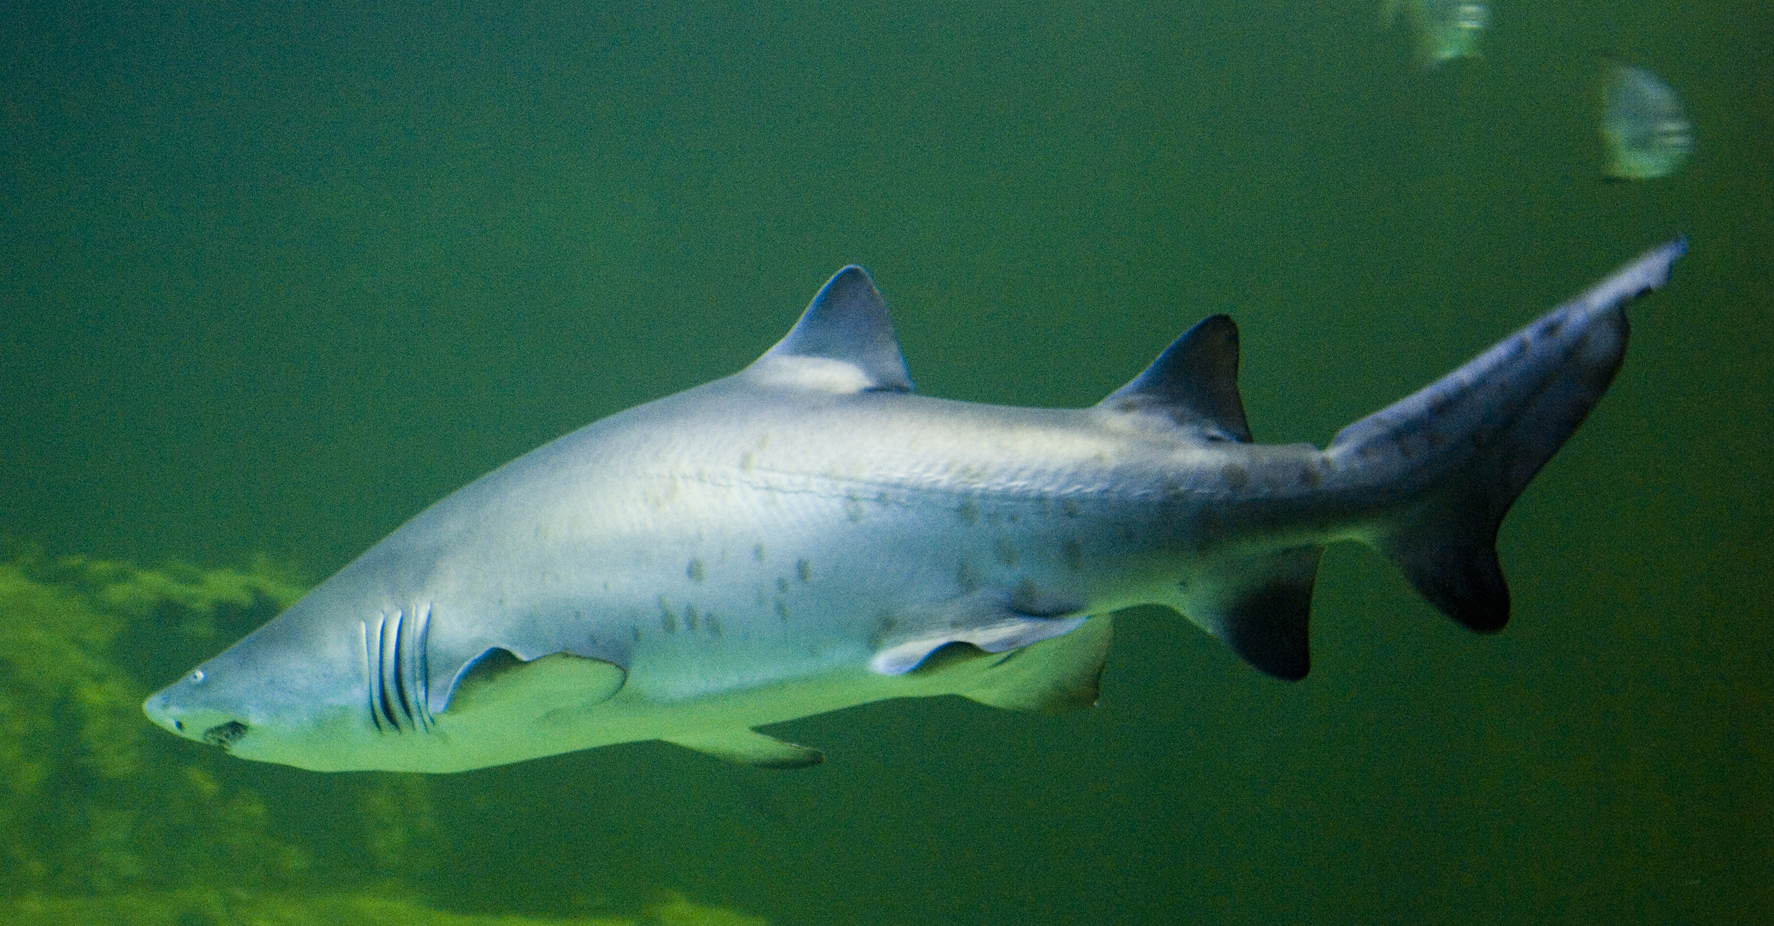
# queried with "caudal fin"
point(1455, 455)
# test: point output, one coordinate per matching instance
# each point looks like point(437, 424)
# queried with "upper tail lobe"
point(1459, 452)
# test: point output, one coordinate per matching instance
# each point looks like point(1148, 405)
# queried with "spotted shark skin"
point(810, 534)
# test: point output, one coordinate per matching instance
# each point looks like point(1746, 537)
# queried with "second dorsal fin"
point(1194, 382)
point(844, 342)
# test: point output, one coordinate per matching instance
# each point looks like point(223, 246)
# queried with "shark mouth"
point(224, 734)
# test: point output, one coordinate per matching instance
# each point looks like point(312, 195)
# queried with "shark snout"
point(172, 709)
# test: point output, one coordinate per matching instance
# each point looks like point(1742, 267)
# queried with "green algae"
point(196, 907)
point(92, 801)
point(105, 820)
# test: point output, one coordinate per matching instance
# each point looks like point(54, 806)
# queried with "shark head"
point(294, 692)
point(346, 679)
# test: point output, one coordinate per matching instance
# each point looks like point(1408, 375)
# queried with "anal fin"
point(1261, 611)
point(748, 747)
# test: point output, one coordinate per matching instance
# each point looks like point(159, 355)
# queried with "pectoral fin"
point(499, 682)
point(749, 747)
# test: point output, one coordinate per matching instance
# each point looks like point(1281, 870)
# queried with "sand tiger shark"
point(809, 534)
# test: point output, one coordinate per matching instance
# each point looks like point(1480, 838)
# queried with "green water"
point(275, 277)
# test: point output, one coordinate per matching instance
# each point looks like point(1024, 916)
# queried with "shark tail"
point(1426, 481)
point(1446, 463)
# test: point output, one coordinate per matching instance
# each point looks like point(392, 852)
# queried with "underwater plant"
point(103, 821)
point(89, 804)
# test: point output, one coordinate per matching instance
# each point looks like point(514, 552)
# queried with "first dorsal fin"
point(1194, 382)
point(844, 342)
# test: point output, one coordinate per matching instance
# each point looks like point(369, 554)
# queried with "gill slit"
point(372, 671)
point(423, 664)
point(394, 686)
point(397, 666)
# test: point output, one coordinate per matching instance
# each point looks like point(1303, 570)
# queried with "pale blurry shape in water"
point(1446, 29)
point(1645, 127)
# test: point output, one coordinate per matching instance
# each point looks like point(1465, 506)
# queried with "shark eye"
point(196, 677)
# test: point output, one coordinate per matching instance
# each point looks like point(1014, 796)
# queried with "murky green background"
point(276, 276)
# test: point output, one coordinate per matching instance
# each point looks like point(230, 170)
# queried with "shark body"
point(809, 534)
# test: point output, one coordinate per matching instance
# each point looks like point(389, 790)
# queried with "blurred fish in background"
point(1445, 29)
point(1645, 127)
